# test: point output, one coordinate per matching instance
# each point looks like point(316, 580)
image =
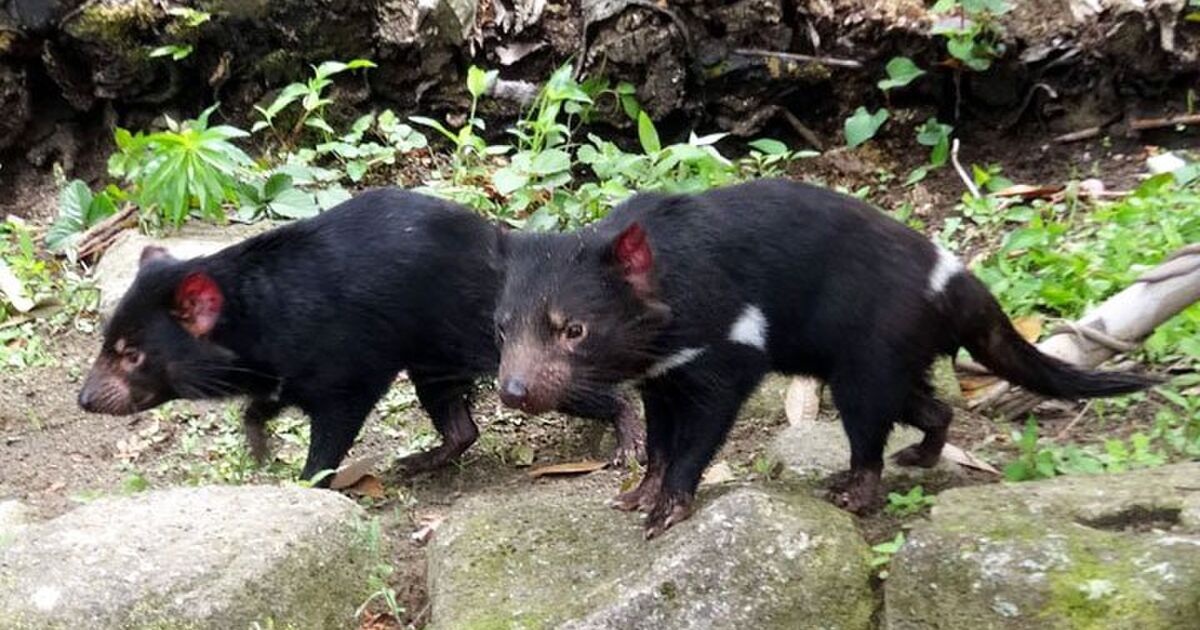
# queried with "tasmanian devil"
point(322, 314)
point(697, 297)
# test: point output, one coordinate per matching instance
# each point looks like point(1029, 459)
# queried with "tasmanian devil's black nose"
point(513, 392)
point(85, 399)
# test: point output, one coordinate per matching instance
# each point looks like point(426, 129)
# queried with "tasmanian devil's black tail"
point(986, 332)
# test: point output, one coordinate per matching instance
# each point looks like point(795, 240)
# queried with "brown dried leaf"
point(967, 459)
point(367, 486)
point(352, 472)
point(1029, 327)
point(568, 468)
point(803, 400)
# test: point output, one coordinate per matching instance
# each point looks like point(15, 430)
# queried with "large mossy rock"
point(196, 558)
point(554, 556)
point(1111, 551)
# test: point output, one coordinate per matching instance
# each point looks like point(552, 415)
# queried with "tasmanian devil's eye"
point(574, 330)
point(132, 358)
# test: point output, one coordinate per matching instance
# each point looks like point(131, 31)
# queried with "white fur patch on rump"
point(750, 328)
point(946, 267)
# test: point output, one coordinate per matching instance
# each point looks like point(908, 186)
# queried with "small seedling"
point(884, 552)
point(912, 502)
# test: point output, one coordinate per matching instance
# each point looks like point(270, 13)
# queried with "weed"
point(883, 554)
point(311, 96)
point(377, 579)
point(912, 502)
point(190, 165)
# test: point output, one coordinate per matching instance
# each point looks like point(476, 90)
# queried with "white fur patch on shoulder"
point(750, 328)
point(680, 358)
point(946, 267)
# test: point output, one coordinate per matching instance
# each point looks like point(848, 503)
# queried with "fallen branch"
point(787, 56)
point(802, 130)
point(1113, 327)
point(1142, 124)
point(99, 237)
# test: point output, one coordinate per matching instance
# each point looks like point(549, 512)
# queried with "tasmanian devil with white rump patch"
point(323, 314)
point(697, 297)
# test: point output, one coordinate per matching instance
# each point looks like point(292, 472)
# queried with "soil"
point(53, 456)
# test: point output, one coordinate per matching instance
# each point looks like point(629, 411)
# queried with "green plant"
point(901, 71)
point(189, 166)
point(467, 145)
point(78, 210)
point(863, 125)
point(973, 33)
point(187, 19)
point(883, 554)
point(912, 502)
point(311, 96)
point(377, 579)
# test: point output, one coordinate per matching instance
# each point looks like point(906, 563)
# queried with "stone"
point(555, 556)
point(1107, 551)
point(115, 271)
point(14, 517)
point(198, 558)
point(815, 450)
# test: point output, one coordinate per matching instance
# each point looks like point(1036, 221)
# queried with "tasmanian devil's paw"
point(670, 509)
point(857, 491)
point(917, 456)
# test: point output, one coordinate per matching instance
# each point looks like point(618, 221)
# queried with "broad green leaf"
point(478, 80)
point(508, 180)
point(550, 161)
point(294, 203)
point(863, 125)
point(769, 146)
point(648, 135)
point(331, 197)
point(275, 185)
point(901, 71)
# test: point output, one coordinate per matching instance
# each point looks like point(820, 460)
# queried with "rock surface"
point(554, 556)
point(14, 517)
point(118, 267)
point(210, 557)
point(815, 450)
point(1112, 551)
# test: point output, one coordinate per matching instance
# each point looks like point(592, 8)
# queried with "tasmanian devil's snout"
point(532, 378)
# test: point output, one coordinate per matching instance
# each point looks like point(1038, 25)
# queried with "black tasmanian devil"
point(697, 297)
point(322, 314)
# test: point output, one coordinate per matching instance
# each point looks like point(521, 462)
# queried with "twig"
point(802, 130)
point(962, 173)
point(1074, 421)
point(1095, 336)
point(100, 236)
point(1142, 124)
point(787, 56)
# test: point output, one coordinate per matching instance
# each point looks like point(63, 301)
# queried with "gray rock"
point(1110, 551)
point(210, 557)
point(814, 450)
point(554, 556)
point(117, 268)
point(14, 517)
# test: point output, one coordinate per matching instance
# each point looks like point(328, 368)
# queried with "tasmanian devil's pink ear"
point(152, 252)
point(198, 302)
point(632, 253)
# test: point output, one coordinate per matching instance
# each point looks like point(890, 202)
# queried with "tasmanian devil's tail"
point(986, 332)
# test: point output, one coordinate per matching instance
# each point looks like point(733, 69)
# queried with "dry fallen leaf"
point(367, 486)
point(1029, 327)
point(719, 472)
point(350, 473)
point(569, 468)
point(966, 459)
point(1025, 191)
point(13, 290)
point(803, 400)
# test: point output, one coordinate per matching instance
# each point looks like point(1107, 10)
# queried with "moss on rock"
point(1084, 552)
point(556, 556)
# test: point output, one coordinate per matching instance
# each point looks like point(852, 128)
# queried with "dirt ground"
point(53, 456)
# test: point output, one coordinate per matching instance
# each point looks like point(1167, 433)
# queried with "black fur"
point(321, 314)
point(846, 296)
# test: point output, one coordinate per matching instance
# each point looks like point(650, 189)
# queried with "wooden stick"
point(787, 56)
point(962, 172)
point(1129, 316)
point(1142, 124)
point(802, 130)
